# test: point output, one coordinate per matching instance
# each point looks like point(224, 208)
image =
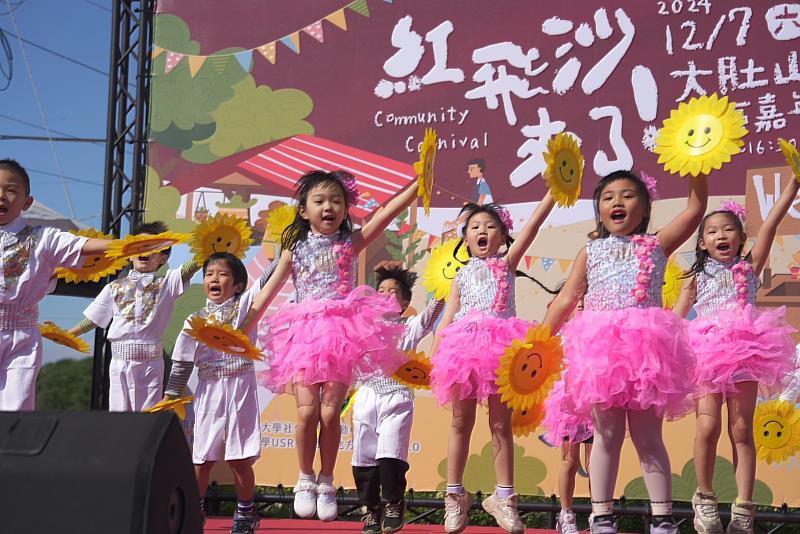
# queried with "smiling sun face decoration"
point(442, 268)
point(416, 372)
point(222, 337)
point(95, 267)
point(56, 334)
point(776, 429)
point(529, 368)
point(144, 244)
point(564, 169)
point(424, 168)
point(221, 233)
point(671, 289)
point(523, 422)
point(700, 136)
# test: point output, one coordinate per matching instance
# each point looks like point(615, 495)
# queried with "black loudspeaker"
point(96, 472)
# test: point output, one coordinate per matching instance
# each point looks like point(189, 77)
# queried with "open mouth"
point(3, 210)
point(723, 247)
point(699, 146)
point(328, 218)
point(144, 259)
point(214, 290)
point(483, 241)
point(618, 215)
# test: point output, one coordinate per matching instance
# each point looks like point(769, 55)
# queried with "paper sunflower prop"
point(222, 337)
point(144, 244)
point(278, 219)
point(564, 169)
point(523, 422)
point(416, 372)
point(791, 155)
point(442, 268)
point(221, 233)
point(177, 405)
point(700, 136)
point(776, 429)
point(56, 334)
point(671, 289)
point(349, 400)
point(424, 168)
point(529, 368)
point(94, 268)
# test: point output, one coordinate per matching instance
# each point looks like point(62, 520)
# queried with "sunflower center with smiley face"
point(776, 430)
point(221, 233)
point(564, 169)
point(222, 337)
point(443, 265)
point(416, 371)
point(94, 268)
point(529, 368)
point(523, 422)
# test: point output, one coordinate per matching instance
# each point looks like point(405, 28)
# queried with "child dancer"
point(738, 348)
point(383, 413)
point(333, 333)
point(628, 363)
point(30, 255)
point(479, 322)
point(138, 307)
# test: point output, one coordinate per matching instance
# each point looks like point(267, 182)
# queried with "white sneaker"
point(566, 523)
point(327, 508)
point(305, 499)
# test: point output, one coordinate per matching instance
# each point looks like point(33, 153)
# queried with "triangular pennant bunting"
point(529, 260)
point(315, 31)
point(547, 263)
point(157, 50)
point(564, 264)
point(173, 58)
point(360, 7)
point(338, 19)
point(195, 63)
point(268, 51)
point(292, 42)
point(245, 59)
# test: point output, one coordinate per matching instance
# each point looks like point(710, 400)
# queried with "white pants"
point(20, 361)
point(134, 385)
point(226, 419)
point(381, 426)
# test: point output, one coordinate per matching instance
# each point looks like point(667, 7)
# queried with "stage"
point(218, 525)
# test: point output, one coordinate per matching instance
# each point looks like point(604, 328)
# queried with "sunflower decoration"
point(700, 136)
point(56, 334)
point(424, 168)
point(278, 220)
point(221, 233)
point(416, 371)
point(349, 401)
point(529, 368)
point(776, 429)
point(671, 289)
point(443, 266)
point(176, 405)
point(523, 422)
point(94, 268)
point(791, 155)
point(222, 337)
point(564, 169)
point(144, 244)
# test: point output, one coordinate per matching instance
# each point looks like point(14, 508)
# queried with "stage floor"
point(218, 525)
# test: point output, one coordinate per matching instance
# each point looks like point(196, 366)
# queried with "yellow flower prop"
point(278, 220)
point(523, 422)
point(700, 136)
point(222, 337)
point(349, 400)
point(424, 168)
point(671, 289)
point(94, 268)
point(144, 244)
point(776, 429)
point(791, 155)
point(177, 405)
point(442, 268)
point(416, 372)
point(564, 169)
point(221, 233)
point(529, 368)
point(56, 334)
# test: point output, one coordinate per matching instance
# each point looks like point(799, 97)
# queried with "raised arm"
point(450, 309)
point(686, 299)
point(529, 231)
point(268, 292)
point(383, 217)
point(95, 246)
point(569, 296)
point(686, 222)
point(766, 235)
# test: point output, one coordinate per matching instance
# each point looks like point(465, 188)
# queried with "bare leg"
point(202, 472)
point(244, 478)
point(460, 434)
point(330, 434)
point(645, 427)
point(308, 409)
point(609, 434)
point(570, 458)
point(502, 440)
point(740, 428)
point(709, 427)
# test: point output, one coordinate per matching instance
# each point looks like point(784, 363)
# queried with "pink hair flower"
point(505, 218)
point(350, 187)
point(652, 186)
point(734, 207)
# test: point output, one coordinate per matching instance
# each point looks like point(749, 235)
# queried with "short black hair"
point(13, 166)
point(480, 162)
point(234, 264)
point(153, 228)
point(404, 277)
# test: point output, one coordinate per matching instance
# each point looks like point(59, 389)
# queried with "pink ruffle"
point(332, 340)
point(469, 353)
point(634, 358)
point(559, 423)
point(743, 344)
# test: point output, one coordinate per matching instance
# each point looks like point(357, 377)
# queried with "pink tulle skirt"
point(634, 358)
point(469, 353)
point(560, 423)
point(740, 345)
point(332, 340)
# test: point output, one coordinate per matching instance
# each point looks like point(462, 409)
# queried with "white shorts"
point(20, 361)
point(134, 385)
point(381, 426)
point(226, 419)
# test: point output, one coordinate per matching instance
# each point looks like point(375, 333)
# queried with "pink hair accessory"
point(350, 187)
point(505, 217)
point(652, 186)
point(735, 208)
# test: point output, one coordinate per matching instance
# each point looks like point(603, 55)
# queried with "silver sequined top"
point(612, 269)
point(315, 267)
point(478, 289)
point(716, 289)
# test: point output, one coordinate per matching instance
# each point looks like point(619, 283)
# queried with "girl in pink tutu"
point(479, 322)
point(628, 364)
point(334, 332)
point(739, 349)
